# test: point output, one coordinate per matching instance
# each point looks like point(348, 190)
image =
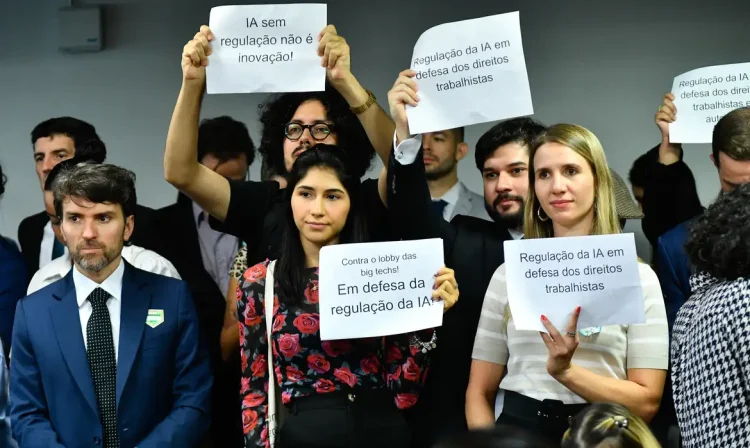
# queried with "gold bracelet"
point(370, 101)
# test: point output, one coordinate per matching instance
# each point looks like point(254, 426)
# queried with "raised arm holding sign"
point(705, 95)
point(266, 48)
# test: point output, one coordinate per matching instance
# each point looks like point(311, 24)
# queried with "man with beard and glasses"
point(472, 247)
point(110, 355)
point(139, 257)
point(442, 150)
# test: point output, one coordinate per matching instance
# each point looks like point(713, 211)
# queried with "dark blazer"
point(670, 197)
point(473, 248)
point(163, 374)
point(13, 282)
point(31, 231)
point(179, 244)
point(674, 270)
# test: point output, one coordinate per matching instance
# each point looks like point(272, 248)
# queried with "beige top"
point(609, 353)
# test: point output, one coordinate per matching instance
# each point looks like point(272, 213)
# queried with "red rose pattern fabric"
point(304, 365)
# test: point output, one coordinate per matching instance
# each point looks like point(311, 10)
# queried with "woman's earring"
point(539, 214)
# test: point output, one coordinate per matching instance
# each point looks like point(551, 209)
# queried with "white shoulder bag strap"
point(273, 404)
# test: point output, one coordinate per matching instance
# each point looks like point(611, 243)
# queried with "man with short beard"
point(442, 150)
point(109, 355)
point(139, 257)
point(472, 246)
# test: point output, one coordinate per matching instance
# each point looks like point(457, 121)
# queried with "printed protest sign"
point(266, 48)
point(704, 96)
point(470, 72)
point(379, 289)
point(553, 276)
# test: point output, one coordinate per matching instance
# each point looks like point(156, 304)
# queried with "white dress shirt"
point(45, 248)
point(217, 250)
point(515, 234)
point(139, 257)
point(113, 285)
point(451, 199)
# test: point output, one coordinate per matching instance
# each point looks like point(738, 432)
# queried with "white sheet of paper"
point(705, 95)
point(394, 278)
point(553, 276)
point(470, 72)
point(266, 48)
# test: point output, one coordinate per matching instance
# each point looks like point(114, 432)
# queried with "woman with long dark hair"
point(339, 393)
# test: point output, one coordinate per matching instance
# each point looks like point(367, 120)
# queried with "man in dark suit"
point(473, 247)
point(731, 155)
point(55, 140)
point(110, 355)
point(203, 258)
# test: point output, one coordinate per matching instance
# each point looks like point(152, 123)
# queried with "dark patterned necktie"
point(101, 354)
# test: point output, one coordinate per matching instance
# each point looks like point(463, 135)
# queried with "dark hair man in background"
point(203, 257)
point(55, 140)
point(442, 150)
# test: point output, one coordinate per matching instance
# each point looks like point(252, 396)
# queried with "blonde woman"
point(608, 425)
point(548, 378)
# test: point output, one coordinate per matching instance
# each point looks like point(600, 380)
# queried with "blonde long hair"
point(585, 144)
point(610, 425)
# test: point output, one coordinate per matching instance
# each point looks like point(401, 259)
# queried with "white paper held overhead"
point(703, 96)
point(266, 48)
point(470, 72)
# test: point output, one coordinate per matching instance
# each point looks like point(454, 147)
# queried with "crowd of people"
point(198, 324)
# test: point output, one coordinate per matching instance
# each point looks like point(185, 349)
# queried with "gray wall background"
point(601, 64)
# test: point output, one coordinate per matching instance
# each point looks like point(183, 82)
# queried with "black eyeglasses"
point(318, 131)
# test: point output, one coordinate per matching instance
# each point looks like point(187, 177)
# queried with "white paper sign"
point(266, 48)
point(553, 276)
point(379, 289)
point(470, 72)
point(704, 96)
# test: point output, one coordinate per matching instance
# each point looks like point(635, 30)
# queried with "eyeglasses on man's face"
point(319, 131)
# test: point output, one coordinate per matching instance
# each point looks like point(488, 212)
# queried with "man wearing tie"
point(109, 355)
point(442, 150)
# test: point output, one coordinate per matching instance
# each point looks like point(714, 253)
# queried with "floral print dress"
point(305, 365)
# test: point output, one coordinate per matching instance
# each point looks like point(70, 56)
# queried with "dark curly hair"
point(226, 139)
point(279, 110)
point(719, 241)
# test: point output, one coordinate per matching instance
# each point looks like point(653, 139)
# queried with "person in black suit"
point(13, 280)
point(203, 258)
point(473, 247)
point(55, 140)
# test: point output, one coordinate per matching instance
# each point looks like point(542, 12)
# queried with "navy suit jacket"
point(163, 373)
point(674, 270)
